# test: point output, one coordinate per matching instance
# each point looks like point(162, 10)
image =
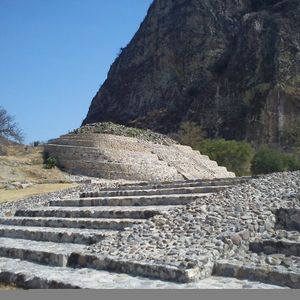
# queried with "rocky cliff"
point(232, 66)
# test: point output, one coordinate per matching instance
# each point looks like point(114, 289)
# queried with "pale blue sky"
point(55, 54)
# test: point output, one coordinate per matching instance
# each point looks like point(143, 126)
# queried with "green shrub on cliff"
point(235, 156)
point(191, 134)
point(290, 137)
point(51, 163)
point(268, 160)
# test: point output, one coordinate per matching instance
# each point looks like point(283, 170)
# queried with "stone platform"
point(120, 157)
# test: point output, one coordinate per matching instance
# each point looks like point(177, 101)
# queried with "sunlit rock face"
point(232, 66)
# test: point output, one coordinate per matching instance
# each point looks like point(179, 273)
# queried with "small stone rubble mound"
point(117, 152)
point(180, 232)
point(121, 130)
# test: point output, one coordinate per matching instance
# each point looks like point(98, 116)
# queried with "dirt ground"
point(7, 287)
point(25, 164)
point(13, 195)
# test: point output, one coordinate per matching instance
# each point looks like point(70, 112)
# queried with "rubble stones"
point(211, 233)
point(216, 226)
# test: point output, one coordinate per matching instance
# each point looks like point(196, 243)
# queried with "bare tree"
point(9, 128)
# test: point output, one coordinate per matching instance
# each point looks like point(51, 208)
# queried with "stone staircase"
point(277, 256)
point(45, 247)
point(119, 157)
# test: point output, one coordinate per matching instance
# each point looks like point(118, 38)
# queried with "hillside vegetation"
point(239, 156)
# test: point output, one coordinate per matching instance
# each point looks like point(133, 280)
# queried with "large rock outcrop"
point(232, 66)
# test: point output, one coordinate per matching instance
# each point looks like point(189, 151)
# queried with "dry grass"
point(25, 164)
point(13, 195)
point(7, 287)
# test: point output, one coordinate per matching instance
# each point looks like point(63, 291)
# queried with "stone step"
point(139, 268)
point(88, 223)
point(115, 212)
point(30, 275)
point(130, 200)
point(62, 255)
point(273, 246)
point(179, 184)
point(134, 171)
point(50, 253)
point(115, 165)
point(57, 235)
point(162, 191)
point(188, 165)
point(277, 275)
point(121, 155)
point(286, 235)
point(288, 218)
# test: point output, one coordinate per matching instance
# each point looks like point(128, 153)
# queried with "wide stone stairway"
point(46, 247)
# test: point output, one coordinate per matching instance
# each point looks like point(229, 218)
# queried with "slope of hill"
point(25, 164)
point(22, 173)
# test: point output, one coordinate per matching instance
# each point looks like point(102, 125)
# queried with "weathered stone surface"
point(114, 212)
point(120, 157)
point(60, 235)
point(44, 252)
point(273, 246)
point(277, 275)
point(169, 185)
point(137, 268)
point(88, 223)
point(220, 225)
point(149, 200)
point(150, 192)
point(30, 275)
point(288, 218)
point(231, 66)
point(176, 243)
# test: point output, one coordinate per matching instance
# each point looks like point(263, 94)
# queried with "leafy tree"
point(268, 160)
point(9, 129)
point(191, 134)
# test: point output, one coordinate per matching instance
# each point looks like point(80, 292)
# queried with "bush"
point(51, 162)
point(191, 134)
point(292, 163)
point(290, 137)
point(235, 156)
point(268, 160)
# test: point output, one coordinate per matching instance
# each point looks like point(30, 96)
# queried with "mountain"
point(232, 66)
